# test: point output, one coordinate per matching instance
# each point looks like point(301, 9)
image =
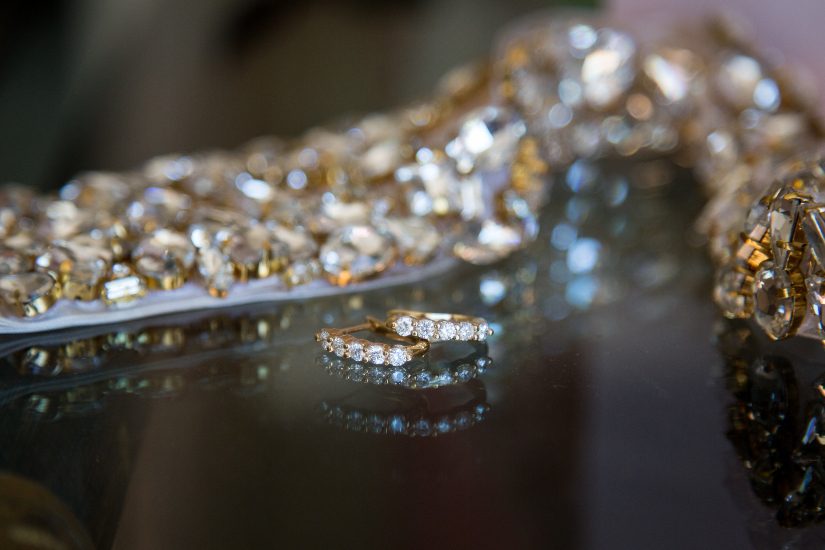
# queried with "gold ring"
point(437, 327)
point(340, 342)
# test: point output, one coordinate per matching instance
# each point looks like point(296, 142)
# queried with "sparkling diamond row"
point(363, 350)
point(441, 331)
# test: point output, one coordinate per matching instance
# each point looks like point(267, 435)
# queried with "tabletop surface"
point(613, 408)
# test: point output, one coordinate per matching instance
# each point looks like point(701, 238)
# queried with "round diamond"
point(397, 356)
point(425, 329)
point(356, 351)
point(423, 379)
point(338, 346)
point(774, 301)
point(446, 330)
point(323, 335)
point(482, 331)
point(375, 354)
point(404, 326)
point(465, 331)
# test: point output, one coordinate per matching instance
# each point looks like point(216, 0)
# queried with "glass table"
point(613, 408)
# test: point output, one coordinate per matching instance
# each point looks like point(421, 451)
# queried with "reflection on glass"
point(400, 411)
point(777, 425)
point(428, 372)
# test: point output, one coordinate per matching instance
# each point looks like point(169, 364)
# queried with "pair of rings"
point(415, 329)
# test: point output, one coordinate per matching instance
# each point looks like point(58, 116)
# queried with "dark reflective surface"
point(616, 409)
point(600, 417)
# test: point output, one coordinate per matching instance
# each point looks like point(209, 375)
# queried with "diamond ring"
point(340, 342)
point(437, 327)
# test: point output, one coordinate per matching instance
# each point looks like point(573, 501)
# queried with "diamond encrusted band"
point(438, 327)
point(340, 342)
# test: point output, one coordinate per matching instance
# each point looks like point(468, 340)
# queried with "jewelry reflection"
point(424, 373)
point(777, 425)
point(398, 411)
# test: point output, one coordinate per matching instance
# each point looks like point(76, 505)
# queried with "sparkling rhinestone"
point(446, 330)
point(607, 69)
point(28, 294)
point(425, 329)
point(355, 253)
point(301, 272)
point(124, 288)
point(216, 270)
point(338, 346)
point(160, 273)
point(398, 377)
point(355, 351)
point(404, 326)
point(375, 354)
point(417, 239)
point(487, 139)
point(299, 242)
point(164, 243)
point(397, 356)
point(784, 219)
point(729, 294)
point(814, 227)
point(482, 331)
point(323, 335)
point(774, 301)
point(465, 331)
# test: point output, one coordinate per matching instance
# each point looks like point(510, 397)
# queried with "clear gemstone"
point(165, 243)
point(446, 330)
point(375, 354)
point(404, 326)
point(784, 218)
point(397, 356)
point(417, 238)
point(323, 335)
point(124, 288)
point(465, 331)
point(22, 289)
point(607, 70)
point(774, 301)
point(355, 253)
point(338, 346)
point(487, 139)
point(216, 270)
point(355, 351)
point(814, 227)
point(482, 331)
point(425, 329)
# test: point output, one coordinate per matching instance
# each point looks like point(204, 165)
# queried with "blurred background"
point(94, 84)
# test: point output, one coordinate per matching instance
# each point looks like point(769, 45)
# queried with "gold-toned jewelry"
point(29, 294)
point(437, 327)
point(340, 342)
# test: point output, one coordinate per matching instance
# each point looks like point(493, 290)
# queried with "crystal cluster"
point(776, 270)
point(464, 173)
point(441, 330)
